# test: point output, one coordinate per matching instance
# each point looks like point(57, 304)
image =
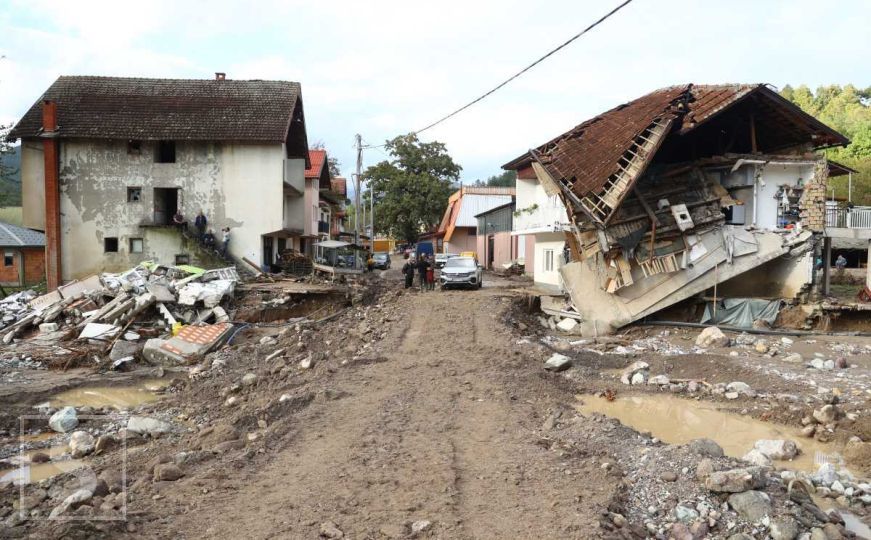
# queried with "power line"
point(527, 68)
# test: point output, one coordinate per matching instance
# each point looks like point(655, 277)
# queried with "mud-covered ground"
point(412, 415)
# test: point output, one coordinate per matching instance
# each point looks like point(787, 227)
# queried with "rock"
point(420, 526)
point(306, 363)
point(16, 518)
point(712, 337)
point(817, 363)
point(706, 447)
point(249, 379)
point(744, 339)
point(826, 415)
point(808, 431)
point(71, 502)
point(741, 388)
point(123, 349)
point(832, 531)
point(567, 325)
point(631, 370)
point(40, 457)
point(48, 327)
point(679, 531)
point(704, 468)
point(751, 505)
point(829, 364)
point(858, 454)
point(783, 528)
point(793, 358)
point(639, 377)
point(837, 487)
point(731, 395)
point(777, 448)
point(330, 530)
point(558, 362)
point(818, 534)
point(64, 420)
point(267, 340)
point(659, 379)
point(81, 444)
point(167, 472)
point(668, 476)
point(740, 536)
point(227, 446)
point(736, 480)
point(826, 475)
point(761, 347)
point(104, 443)
point(148, 426)
point(684, 514)
point(841, 363)
point(619, 520)
point(755, 457)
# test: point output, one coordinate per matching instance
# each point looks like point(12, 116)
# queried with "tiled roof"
point(588, 154)
point(317, 158)
point(166, 109)
point(14, 236)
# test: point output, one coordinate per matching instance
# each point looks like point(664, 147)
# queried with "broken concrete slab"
point(567, 324)
point(189, 345)
point(47, 328)
point(161, 292)
point(122, 349)
point(99, 331)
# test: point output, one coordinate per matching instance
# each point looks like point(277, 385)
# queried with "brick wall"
point(813, 200)
point(34, 266)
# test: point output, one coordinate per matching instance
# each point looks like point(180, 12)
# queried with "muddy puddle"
point(119, 397)
point(677, 421)
point(19, 468)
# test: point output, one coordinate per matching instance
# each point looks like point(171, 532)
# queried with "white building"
point(121, 155)
point(540, 221)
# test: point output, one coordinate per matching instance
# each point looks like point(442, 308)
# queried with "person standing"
point(225, 241)
point(408, 271)
point(430, 275)
point(422, 266)
point(200, 223)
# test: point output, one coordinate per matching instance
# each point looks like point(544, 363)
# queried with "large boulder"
point(64, 420)
point(633, 369)
point(81, 444)
point(706, 447)
point(736, 480)
point(148, 426)
point(777, 448)
point(71, 502)
point(751, 505)
point(712, 337)
point(558, 362)
point(740, 388)
point(755, 457)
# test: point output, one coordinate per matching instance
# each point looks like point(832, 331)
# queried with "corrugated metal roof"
point(473, 204)
point(14, 236)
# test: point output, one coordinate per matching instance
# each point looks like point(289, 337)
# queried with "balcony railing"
point(857, 217)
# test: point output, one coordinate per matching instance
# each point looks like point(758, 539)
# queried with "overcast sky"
point(383, 68)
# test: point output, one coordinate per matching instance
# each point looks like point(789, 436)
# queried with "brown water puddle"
point(27, 472)
point(119, 397)
point(677, 421)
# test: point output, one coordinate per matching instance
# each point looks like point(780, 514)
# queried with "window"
point(134, 148)
point(183, 258)
point(8, 258)
point(136, 245)
point(548, 260)
point(134, 194)
point(165, 152)
point(110, 244)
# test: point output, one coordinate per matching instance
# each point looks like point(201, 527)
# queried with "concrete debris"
point(567, 324)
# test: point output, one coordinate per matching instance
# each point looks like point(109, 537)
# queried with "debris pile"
point(112, 313)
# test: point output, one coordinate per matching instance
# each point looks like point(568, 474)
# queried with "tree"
point(506, 179)
point(332, 163)
point(411, 189)
point(10, 180)
point(848, 110)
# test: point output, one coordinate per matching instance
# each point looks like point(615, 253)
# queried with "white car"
point(461, 272)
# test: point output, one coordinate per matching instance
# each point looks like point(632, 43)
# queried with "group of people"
point(425, 270)
point(205, 237)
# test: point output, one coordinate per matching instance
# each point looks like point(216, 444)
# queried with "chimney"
point(50, 151)
point(49, 116)
point(220, 76)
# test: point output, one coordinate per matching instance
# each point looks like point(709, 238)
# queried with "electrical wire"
point(527, 68)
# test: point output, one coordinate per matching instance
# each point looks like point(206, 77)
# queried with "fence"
point(857, 217)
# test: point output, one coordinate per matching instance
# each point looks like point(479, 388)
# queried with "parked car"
point(382, 260)
point(461, 272)
point(442, 258)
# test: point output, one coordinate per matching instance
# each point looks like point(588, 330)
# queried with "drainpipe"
point(50, 147)
point(755, 193)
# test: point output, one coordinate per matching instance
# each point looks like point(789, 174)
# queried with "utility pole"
point(372, 214)
point(359, 145)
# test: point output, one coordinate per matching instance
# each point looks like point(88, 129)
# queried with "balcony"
point(294, 177)
point(540, 220)
point(324, 227)
point(847, 222)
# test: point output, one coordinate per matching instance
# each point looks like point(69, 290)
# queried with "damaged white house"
point(107, 162)
point(683, 190)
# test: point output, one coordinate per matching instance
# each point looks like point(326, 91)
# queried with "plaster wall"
point(541, 275)
point(772, 177)
point(32, 185)
point(536, 210)
point(236, 186)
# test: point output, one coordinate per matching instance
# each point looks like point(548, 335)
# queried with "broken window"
point(134, 194)
point(8, 258)
point(110, 244)
point(136, 245)
point(548, 260)
point(134, 148)
point(165, 152)
point(183, 258)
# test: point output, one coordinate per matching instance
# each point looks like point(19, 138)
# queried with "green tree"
point(506, 179)
point(848, 110)
point(332, 163)
point(10, 178)
point(412, 188)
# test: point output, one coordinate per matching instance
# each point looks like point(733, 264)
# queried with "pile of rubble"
point(178, 307)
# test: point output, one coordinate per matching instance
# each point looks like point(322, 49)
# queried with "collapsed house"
point(679, 192)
